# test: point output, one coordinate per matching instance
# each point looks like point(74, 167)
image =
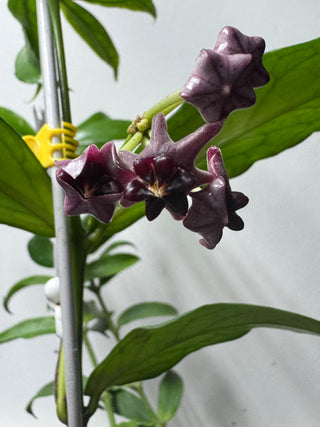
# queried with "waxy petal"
point(219, 84)
point(231, 41)
point(224, 78)
point(213, 208)
point(165, 169)
point(208, 213)
point(93, 182)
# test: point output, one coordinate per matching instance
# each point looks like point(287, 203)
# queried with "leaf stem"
point(105, 397)
point(108, 315)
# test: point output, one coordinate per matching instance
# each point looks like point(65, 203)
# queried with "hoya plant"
point(178, 156)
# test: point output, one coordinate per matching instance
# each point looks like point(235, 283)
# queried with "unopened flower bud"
point(52, 290)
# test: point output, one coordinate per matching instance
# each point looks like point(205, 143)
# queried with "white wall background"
point(266, 379)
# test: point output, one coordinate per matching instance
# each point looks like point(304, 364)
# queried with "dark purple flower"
point(231, 41)
point(214, 206)
point(165, 171)
point(224, 78)
point(93, 182)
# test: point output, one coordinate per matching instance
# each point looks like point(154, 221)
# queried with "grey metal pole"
point(62, 254)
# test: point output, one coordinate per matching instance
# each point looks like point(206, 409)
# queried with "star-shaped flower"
point(165, 171)
point(231, 41)
point(224, 78)
point(214, 206)
point(219, 84)
point(93, 182)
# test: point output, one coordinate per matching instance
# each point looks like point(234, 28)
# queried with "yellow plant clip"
point(44, 149)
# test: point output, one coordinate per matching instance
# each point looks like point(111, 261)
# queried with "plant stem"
point(131, 144)
point(77, 234)
point(108, 316)
point(165, 106)
point(105, 395)
point(65, 253)
point(61, 60)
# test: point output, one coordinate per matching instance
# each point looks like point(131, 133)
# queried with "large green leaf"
point(99, 129)
point(149, 351)
point(25, 187)
point(18, 123)
point(29, 328)
point(286, 112)
point(123, 218)
point(139, 5)
point(92, 31)
point(24, 283)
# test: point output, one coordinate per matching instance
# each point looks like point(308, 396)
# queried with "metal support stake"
point(62, 255)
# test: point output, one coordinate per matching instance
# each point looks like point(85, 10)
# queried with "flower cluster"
point(164, 174)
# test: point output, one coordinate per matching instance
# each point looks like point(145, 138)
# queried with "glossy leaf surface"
point(123, 218)
point(41, 250)
point(22, 284)
point(286, 111)
point(170, 393)
point(18, 123)
point(25, 187)
point(144, 310)
point(149, 351)
point(99, 129)
point(139, 5)
point(92, 31)
point(29, 328)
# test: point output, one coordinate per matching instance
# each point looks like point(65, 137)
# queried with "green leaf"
point(99, 129)
point(109, 265)
point(26, 13)
point(41, 250)
point(146, 309)
point(147, 352)
point(46, 390)
point(19, 124)
point(24, 283)
point(92, 32)
point(124, 217)
point(139, 5)
point(286, 111)
point(91, 311)
point(27, 66)
point(170, 393)
point(29, 328)
point(25, 187)
point(130, 406)
point(128, 424)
